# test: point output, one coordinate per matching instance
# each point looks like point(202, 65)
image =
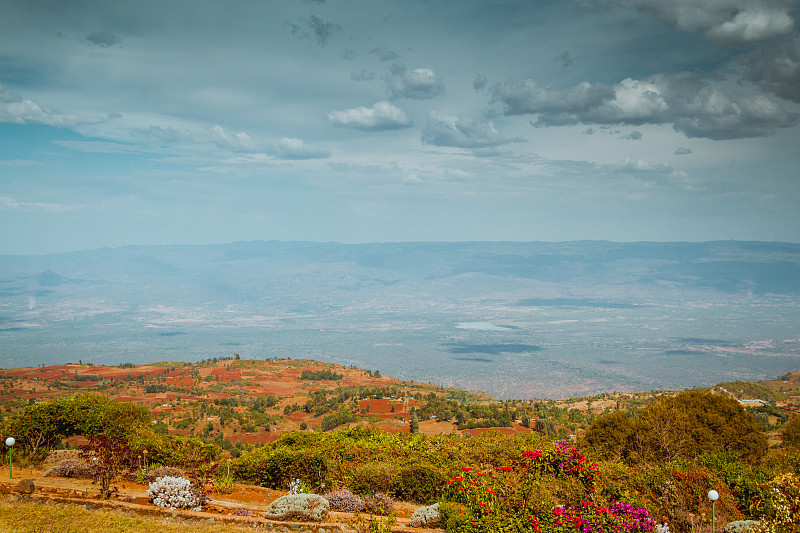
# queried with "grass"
point(30, 517)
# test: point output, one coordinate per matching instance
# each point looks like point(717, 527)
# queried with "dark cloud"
point(447, 130)
point(480, 82)
point(726, 22)
point(381, 116)
point(694, 106)
point(364, 75)
point(683, 151)
point(565, 59)
point(776, 68)
point(415, 84)
point(384, 54)
point(315, 27)
point(102, 39)
point(633, 136)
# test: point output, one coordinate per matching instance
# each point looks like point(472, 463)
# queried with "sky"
point(198, 121)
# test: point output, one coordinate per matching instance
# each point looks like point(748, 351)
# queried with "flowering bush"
point(73, 468)
point(344, 500)
point(545, 491)
point(379, 504)
point(176, 493)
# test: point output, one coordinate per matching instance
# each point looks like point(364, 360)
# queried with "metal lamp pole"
point(713, 496)
point(10, 442)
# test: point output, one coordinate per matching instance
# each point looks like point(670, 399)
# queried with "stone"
point(49, 472)
point(26, 486)
point(740, 526)
point(301, 507)
point(426, 517)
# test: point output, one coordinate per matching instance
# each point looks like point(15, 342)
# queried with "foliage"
point(344, 500)
point(343, 416)
point(549, 491)
point(373, 477)
point(107, 459)
point(40, 427)
point(319, 375)
point(791, 435)
point(418, 483)
point(380, 504)
point(276, 468)
point(683, 426)
point(74, 468)
point(162, 471)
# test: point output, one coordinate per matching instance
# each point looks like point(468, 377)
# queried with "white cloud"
point(381, 116)
point(15, 109)
point(416, 84)
point(448, 130)
point(726, 22)
point(217, 135)
point(292, 148)
point(11, 204)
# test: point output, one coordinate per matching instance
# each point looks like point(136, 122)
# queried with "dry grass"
point(29, 517)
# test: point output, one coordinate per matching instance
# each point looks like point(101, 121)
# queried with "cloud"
point(381, 116)
point(292, 148)
point(633, 136)
point(384, 54)
point(15, 109)
point(448, 130)
point(364, 75)
point(415, 84)
point(565, 59)
point(103, 39)
point(683, 151)
point(480, 82)
point(776, 67)
point(11, 204)
point(648, 171)
point(726, 22)
point(315, 27)
point(216, 135)
point(692, 105)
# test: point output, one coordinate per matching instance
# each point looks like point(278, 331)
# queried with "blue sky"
point(160, 122)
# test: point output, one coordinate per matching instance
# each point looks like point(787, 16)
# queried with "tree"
point(791, 435)
point(414, 426)
point(610, 435)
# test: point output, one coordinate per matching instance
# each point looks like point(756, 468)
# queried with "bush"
point(276, 468)
point(176, 493)
point(419, 483)
point(379, 504)
point(74, 468)
point(373, 477)
point(344, 500)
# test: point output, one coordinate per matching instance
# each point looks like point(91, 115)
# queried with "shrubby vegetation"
point(654, 466)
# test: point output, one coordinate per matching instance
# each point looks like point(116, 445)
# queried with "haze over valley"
point(515, 320)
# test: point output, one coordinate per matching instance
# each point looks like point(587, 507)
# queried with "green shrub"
point(374, 477)
point(419, 483)
point(276, 468)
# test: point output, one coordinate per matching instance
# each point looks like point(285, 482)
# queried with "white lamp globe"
point(713, 495)
point(10, 441)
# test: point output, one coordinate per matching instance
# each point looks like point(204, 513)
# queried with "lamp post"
point(713, 496)
point(10, 442)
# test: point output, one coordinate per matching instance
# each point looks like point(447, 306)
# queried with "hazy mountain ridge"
point(586, 307)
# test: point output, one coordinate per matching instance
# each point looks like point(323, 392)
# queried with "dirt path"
point(228, 507)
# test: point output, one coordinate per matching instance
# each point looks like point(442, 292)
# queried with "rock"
point(26, 486)
point(740, 526)
point(49, 472)
point(302, 507)
point(426, 517)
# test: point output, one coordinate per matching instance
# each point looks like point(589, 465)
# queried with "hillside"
point(239, 403)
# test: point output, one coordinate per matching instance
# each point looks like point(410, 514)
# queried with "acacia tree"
point(791, 435)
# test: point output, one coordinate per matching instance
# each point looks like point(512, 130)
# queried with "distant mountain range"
point(512, 319)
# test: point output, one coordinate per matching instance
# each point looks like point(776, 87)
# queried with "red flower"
point(490, 491)
point(466, 468)
point(458, 479)
point(504, 468)
point(533, 454)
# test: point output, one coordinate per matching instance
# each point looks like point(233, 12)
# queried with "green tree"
point(609, 437)
point(414, 425)
point(791, 435)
